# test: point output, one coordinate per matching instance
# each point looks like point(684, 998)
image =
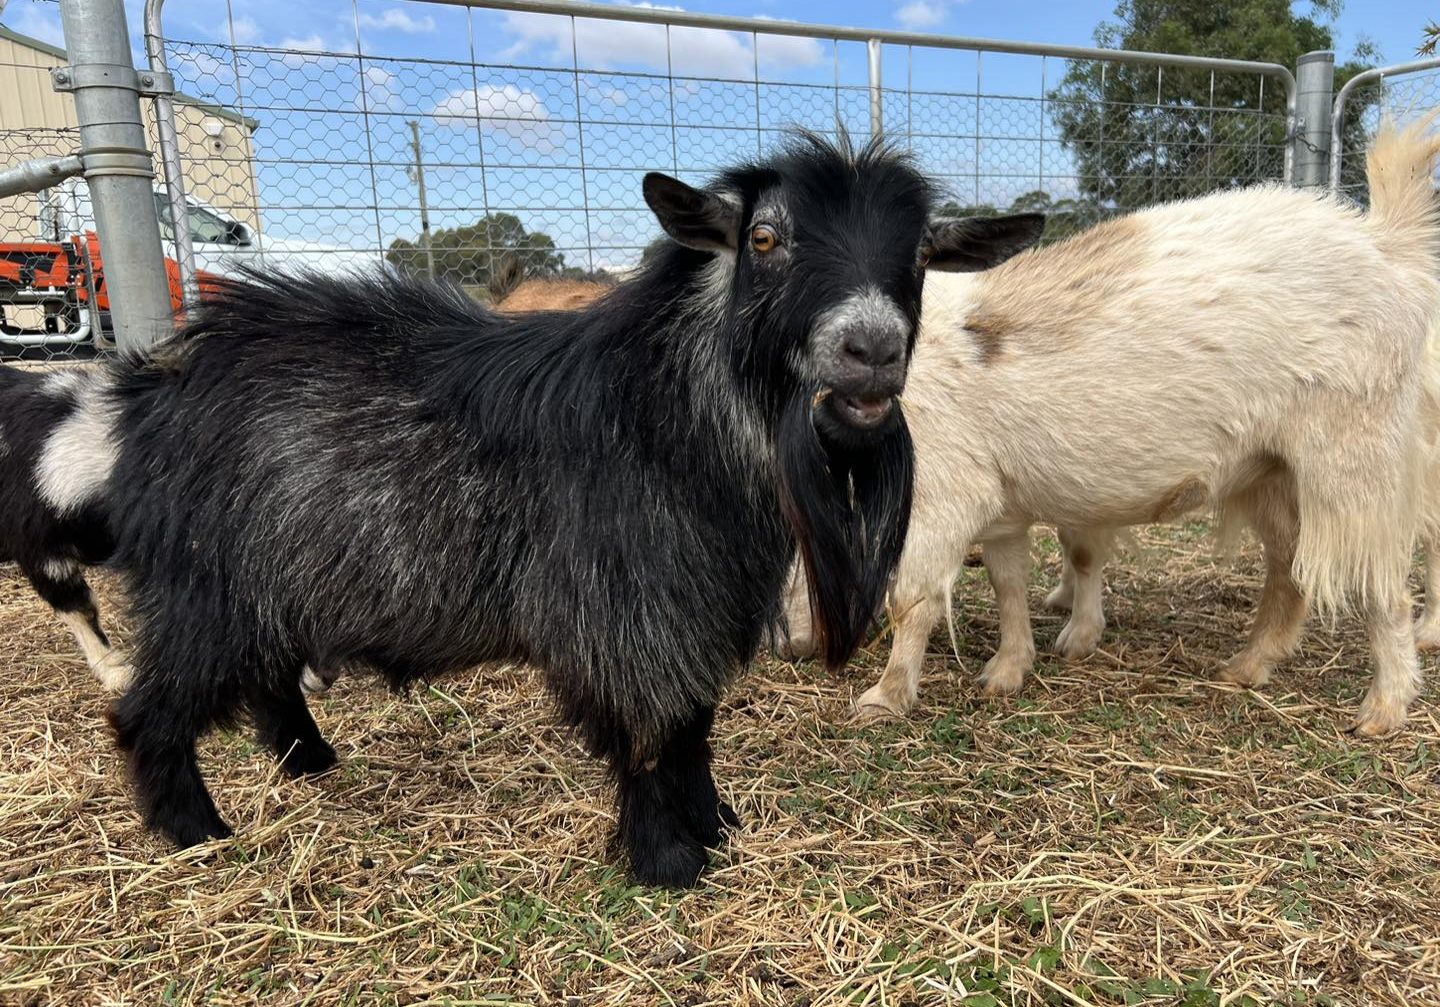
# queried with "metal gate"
point(1402, 92)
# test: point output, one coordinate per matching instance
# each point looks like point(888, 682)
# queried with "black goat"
point(54, 457)
point(380, 472)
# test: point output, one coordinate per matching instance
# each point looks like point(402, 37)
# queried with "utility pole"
point(419, 171)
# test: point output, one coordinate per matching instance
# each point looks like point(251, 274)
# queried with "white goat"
point(1258, 351)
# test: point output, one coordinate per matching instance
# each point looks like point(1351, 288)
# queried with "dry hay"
point(1127, 831)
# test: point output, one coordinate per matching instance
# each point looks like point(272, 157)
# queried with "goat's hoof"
point(315, 683)
point(1060, 599)
point(1427, 637)
point(794, 650)
point(1077, 641)
point(671, 865)
point(1375, 721)
point(1250, 673)
point(114, 676)
point(308, 758)
point(877, 704)
point(1002, 676)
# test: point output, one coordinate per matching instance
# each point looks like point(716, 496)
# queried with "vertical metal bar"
point(755, 54)
point(580, 134)
point(1040, 157)
point(910, 96)
point(118, 169)
point(835, 60)
point(1155, 136)
point(169, 141)
point(1314, 87)
point(369, 131)
point(674, 124)
point(479, 135)
point(1210, 138)
point(877, 88)
point(979, 86)
point(240, 108)
point(424, 208)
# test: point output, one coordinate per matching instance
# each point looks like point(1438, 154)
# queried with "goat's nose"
point(871, 350)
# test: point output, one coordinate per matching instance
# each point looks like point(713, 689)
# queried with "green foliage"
point(1139, 137)
point(1063, 217)
point(468, 254)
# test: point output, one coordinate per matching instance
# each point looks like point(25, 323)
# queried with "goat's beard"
point(847, 500)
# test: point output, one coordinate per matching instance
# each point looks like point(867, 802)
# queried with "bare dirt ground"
point(1126, 831)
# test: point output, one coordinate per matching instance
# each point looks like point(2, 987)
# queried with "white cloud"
point(395, 19)
point(246, 31)
point(701, 52)
point(507, 110)
point(310, 43)
point(381, 94)
point(918, 15)
point(37, 23)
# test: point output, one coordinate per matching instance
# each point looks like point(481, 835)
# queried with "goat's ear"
point(694, 217)
point(970, 244)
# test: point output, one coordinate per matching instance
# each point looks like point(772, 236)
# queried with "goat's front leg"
point(1086, 550)
point(893, 696)
point(1007, 561)
point(669, 808)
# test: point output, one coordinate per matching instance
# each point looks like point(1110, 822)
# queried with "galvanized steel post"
point(1314, 92)
point(169, 142)
point(877, 89)
point(118, 169)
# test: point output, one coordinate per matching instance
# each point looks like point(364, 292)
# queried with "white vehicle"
point(221, 242)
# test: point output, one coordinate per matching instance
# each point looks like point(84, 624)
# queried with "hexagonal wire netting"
point(534, 131)
point(1402, 97)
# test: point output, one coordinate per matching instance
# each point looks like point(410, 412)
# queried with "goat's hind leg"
point(1427, 627)
point(283, 723)
point(61, 583)
point(1275, 631)
point(1086, 550)
point(157, 723)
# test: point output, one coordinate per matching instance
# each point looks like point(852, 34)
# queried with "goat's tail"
point(1400, 168)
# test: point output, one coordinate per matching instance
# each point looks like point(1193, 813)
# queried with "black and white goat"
point(379, 471)
point(51, 521)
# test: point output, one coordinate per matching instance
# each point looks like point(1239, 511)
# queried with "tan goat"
point(1256, 351)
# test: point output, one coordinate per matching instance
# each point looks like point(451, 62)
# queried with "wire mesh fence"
point(529, 133)
point(1401, 96)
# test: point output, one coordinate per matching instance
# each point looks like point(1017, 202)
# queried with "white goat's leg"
point(1427, 628)
point(1397, 669)
point(1280, 616)
point(1062, 597)
point(795, 639)
point(1086, 551)
point(915, 616)
point(1007, 561)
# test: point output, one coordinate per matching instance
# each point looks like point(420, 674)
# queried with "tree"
point(1432, 35)
point(468, 254)
point(1063, 217)
point(1204, 132)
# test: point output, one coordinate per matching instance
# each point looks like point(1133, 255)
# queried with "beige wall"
point(218, 169)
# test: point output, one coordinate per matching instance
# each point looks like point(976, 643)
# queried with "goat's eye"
point(763, 238)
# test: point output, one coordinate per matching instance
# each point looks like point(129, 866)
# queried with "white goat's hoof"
point(1077, 640)
point(876, 703)
point(1061, 599)
point(1427, 635)
point(1245, 670)
point(1377, 718)
point(1003, 675)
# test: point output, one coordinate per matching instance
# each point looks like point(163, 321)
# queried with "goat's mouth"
point(861, 412)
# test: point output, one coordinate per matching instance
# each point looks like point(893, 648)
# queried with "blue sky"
point(333, 144)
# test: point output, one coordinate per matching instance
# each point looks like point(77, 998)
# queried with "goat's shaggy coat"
point(1258, 351)
point(51, 518)
point(382, 472)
